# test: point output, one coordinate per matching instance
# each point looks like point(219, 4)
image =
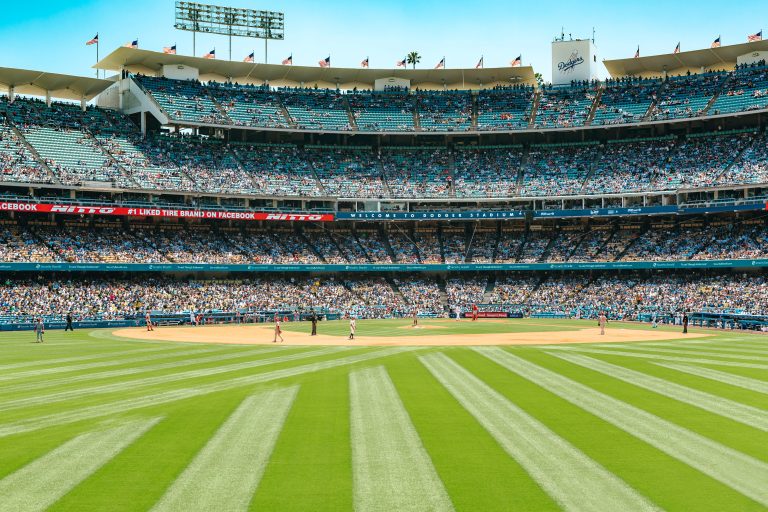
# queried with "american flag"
point(170, 50)
point(210, 55)
point(441, 64)
point(479, 63)
point(637, 53)
point(326, 62)
point(132, 44)
point(249, 58)
point(401, 63)
point(755, 37)
point(364, 63)
point(716, 43)
point(95, 40)
point(677, 48)
point(517, 62)
point(288, 61)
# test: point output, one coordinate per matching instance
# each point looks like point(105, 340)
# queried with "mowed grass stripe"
point(154, 399)
point(748, 415)
point(130, 371)
point(165, 379)
point(730, 349)
point(728, 354)
point(42, 372)
point(311, 463)
point(43, 481)
point(759, 386)
point(658, 357)
point(78, 359)
point(573, 480)
point(737, 470)
point(391, 468)
point(226, 472)
point(475, 470)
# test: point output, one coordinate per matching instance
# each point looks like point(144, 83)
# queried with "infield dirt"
point(264, 334)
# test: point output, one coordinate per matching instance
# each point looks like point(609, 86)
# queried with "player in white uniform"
point(352, 328)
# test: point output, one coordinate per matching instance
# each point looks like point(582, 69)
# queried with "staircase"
point(286, 114)
point(241, 167)
point(350, 114)
point(534, 109)
point(416, 119)
point(714, 97)
point(300, 233)
point(452, 173)
point(219, 108)
point(739, 155)
point(521, 172)
point(595, 104)
point(383, 175)
point(489, 287)
point(443, 294)
point(34, 152)
point(126, 174)
point(316, 176)
point(608, 239)
point(396, 289)
point(655, 102)
point(474, 111)
point(385, 240)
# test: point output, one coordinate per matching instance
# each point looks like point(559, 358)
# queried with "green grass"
point(437, 327)
point(89, 381)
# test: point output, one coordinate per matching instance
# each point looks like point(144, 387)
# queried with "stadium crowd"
point(115, 242)
point(627, 297)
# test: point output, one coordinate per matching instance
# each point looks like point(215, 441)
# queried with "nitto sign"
point(567, 66)
point(87, 210)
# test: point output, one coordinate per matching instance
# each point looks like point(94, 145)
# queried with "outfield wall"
point(438, 267)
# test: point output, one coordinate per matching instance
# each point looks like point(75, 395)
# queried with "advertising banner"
point(123, 211)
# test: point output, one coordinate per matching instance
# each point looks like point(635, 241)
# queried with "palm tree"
point(413, 58)
point(539, 79)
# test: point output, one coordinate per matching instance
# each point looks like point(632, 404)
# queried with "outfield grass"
point(437, 327)
point(89, 421)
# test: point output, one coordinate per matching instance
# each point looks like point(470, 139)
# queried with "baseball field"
point(490, 415)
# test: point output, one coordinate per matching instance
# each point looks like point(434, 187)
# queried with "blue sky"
point(51, 35)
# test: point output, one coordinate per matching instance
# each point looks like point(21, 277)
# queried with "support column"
point(83, 104)
point(48, 99)
point(11, 93)
point(144, 124)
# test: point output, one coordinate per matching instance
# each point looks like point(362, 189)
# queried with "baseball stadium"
point(246, 282)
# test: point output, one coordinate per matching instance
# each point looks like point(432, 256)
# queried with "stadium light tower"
point(230, 21)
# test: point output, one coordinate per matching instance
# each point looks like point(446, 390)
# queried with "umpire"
point(69, 323)
point(313, 319)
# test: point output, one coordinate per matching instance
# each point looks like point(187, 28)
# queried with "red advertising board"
point(123, 211)
point(487, 314)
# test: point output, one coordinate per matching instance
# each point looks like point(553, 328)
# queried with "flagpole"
point(97, 54)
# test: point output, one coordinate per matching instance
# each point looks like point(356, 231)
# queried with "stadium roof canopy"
point(40, 83)
point(678, 63)
point(151, 63)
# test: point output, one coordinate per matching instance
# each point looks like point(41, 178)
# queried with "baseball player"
point(278, 330)
point(148, 320)
point(602, 320)
point(352, 327)
point(39, 330)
